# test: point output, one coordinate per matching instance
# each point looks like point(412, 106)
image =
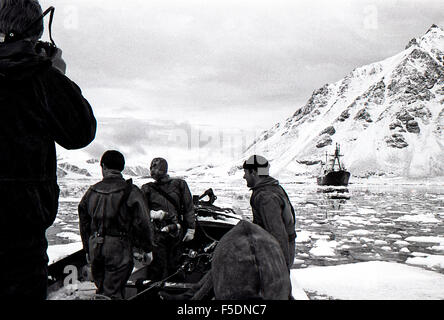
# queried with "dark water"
point(362, 222)
point(369, 222)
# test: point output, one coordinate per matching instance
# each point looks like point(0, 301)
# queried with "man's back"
point(39, 106)
point(273, 211)
point(113, 218)
point(114, 206)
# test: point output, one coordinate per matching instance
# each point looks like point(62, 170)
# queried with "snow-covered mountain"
point(388, 118)
point(79, 165)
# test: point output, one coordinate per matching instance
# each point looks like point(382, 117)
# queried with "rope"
point(155, 284)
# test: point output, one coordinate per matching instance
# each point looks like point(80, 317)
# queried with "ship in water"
point(335, 173)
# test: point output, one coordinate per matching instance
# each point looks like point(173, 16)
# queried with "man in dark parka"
point(272, 209)
point(39, 105)
point(113, 218)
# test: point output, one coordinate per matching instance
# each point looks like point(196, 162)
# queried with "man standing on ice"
point(171, 205)
point(113, 218)
point(272, 209)
point(39, 105)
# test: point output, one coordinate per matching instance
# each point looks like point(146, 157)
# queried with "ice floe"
point(374, 280)
point(423, 218)
point(59, 251)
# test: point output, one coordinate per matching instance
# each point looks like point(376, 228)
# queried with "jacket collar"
point(22, 47)
point(164, 179)
point(113, 181)
point(112, 174)
point(18, 59)
point(267, 181)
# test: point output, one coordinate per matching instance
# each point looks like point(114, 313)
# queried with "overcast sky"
point(226, 64)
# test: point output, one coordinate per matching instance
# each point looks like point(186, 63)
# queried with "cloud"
point(243, 64)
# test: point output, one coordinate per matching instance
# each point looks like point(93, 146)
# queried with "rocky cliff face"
point(388, 117)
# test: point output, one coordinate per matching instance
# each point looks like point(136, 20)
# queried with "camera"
point(46, 48)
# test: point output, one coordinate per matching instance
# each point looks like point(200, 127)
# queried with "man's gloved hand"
point(157, 214)
point(137, 256)
point(147, 258)
point(189, 235)
point(173, 228)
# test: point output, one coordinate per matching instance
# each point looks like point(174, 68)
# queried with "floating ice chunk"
point(426, 239)
point(320, 237)
point(364, 239)
point(69, 235)
point(380, 242)
point(303, 237)
point(419, 254)
point(430, 261)
point(366, 211)
point(394, 236)
point(404, 250)
point(323, 248)
point(359, 232)
point(438, 248)
point(424, 218)
point(298, 261)
point(354, 240)
point(401, 243)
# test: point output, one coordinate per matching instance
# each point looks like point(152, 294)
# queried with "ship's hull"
point(334, 178)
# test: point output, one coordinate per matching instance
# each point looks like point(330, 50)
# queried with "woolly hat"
point(258, 163)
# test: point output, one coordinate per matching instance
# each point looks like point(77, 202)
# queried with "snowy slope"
point(387, 116)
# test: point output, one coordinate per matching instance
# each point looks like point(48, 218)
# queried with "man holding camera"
point(39, 106)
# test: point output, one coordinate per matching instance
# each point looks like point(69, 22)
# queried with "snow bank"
point(429, 261)
point(375, 280)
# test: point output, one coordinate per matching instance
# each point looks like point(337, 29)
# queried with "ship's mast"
point(337, 155)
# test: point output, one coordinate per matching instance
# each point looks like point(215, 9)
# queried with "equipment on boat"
point(212, 223)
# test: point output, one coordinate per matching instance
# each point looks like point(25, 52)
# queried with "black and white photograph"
point(243, 151)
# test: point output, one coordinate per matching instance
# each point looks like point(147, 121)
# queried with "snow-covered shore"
point(373, 280)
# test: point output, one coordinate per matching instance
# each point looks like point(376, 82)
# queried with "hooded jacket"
point(38, 107)
point(114, 206)
point(273, 211)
